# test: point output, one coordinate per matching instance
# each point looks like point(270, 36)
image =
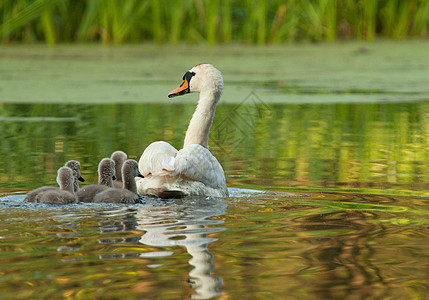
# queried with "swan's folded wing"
point(157, 159)
point(197, 163)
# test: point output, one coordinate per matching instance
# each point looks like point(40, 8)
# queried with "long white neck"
point(202, 119)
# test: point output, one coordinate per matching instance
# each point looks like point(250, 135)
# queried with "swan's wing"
point(157, 159)
point(197, 163)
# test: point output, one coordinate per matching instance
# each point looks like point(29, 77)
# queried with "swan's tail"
point(168, 187)
point(165, 193)
point(160, 187)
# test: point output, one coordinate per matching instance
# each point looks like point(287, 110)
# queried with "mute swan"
point(119, 157)
point(127, 194)
point(64, 194)
point(106, 171)
point(192, 171)
point(72, 164)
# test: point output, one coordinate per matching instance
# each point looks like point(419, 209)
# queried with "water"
point(324, 149)
point(252, 245)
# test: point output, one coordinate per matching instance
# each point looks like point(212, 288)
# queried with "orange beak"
point(181, 90)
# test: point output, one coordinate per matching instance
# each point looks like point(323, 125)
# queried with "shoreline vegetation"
point(210, 21)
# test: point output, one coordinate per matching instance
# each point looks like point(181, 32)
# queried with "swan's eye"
point(188, 75)
point(184, 88)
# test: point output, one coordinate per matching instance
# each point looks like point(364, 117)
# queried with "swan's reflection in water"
point(182, 222)
point(185, 223)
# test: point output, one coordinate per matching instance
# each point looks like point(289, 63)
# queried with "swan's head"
point(201, 78)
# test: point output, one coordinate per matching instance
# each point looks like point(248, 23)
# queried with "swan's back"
point(193, 162)
point(157, 159)
point(195, 172)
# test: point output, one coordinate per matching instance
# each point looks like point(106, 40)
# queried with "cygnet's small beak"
point(140, 175)
point(81, 179)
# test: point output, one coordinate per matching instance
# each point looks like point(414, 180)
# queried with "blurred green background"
point(210, 21)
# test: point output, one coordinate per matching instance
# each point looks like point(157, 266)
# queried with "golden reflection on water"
point(254, 244)
point(251, 245)
point(325, 246)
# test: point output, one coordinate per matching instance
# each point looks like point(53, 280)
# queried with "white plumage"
point(192, 171)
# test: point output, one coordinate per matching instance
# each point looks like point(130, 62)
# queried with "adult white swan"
point(192, 171)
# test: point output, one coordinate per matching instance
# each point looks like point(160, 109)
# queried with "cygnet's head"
point(106, 169)
point(119, 156)
point(75, 166)
point(65, 178)
point(201, 78)
point(131, 168)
